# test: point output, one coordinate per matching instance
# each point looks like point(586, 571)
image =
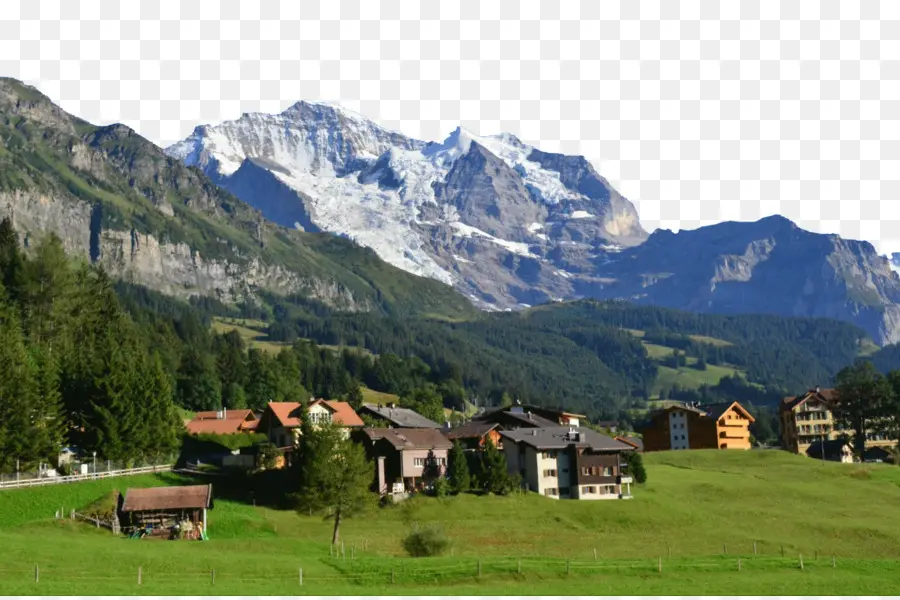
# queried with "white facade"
point(678, 430)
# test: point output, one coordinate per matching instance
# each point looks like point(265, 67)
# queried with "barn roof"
point(168, 498)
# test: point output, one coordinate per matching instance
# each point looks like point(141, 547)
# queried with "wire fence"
point(98, 470)
point(369, 571)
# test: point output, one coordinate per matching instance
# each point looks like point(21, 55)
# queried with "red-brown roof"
point(828, 396)
point(220, 426)
point(288, 413)
point(225, 423)
point(236, 413)
point(168, 498)
point(342, 413)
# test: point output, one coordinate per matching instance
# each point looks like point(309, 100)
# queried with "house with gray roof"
point(396, 416)
point(568, 462)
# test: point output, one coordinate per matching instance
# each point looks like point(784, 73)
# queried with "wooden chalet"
point(178, 511)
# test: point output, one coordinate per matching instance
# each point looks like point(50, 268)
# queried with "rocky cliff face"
point(121, 202)
point(769, 267)
point(487, 214)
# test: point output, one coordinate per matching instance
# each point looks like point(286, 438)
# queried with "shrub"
point(430, 541)
point(441, 487)
point(636, 467)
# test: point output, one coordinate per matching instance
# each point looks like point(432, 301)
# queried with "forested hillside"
point(593, 356)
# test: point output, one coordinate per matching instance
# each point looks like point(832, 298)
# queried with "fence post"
point(660, 564)
point(832, 561)
point(668, 550)
point(37, 574)
point(479, 567)
point(139, 575)
point(392, 575)
point(801, 562)
point(595, 554)
point(301, 576)
point(343, 553)
point(754, 547)
point(739, 563)
point(724, 549)
point(213, 575)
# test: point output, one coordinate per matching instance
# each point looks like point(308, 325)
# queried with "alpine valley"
point(249, 207)
point(510, 226)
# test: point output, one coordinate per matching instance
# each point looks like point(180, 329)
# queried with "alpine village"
point(203, 391)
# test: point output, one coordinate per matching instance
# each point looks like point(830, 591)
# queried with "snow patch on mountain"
point(463, 230)
point(373, 219)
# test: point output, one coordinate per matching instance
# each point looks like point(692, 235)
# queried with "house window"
point(607, 471)
point(551, 492)
point(549, 472)
point(589, 489)
point(548, 454)
point(609, 489)
point(420, 462)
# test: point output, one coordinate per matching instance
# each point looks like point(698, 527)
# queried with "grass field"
point(379, 398)
point(684, 377)
point(698, 513)
point(251, 331)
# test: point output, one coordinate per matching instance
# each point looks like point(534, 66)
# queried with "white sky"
point(697, 111)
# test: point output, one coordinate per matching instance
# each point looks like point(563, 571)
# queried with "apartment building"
point(568, 462)
point(686, 427)
point(809, 418)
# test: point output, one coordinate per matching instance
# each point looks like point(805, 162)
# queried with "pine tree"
point(432, 469)
point(52, 428)
point(46, 291)
point(336, 476)
point(12, 262)
point(458, 469)
point(494, 476)
point(198, 385)
point(161, 420)
point(18, 397)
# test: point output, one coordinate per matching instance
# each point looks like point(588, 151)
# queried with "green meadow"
point(706, 522)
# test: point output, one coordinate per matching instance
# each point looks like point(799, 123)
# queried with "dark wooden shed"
point(160, 509)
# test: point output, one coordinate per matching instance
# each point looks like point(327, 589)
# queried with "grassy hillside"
point(130, 184)
point(693, 503)
point(250, 330)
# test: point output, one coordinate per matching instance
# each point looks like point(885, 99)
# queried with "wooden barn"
point(175, 512)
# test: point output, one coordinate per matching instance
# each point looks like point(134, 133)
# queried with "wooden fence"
point(87, 477)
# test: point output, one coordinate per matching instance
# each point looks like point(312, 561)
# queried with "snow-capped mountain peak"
point(428, 207)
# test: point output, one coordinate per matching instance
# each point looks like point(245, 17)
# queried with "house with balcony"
point(810, 418)
point(568, 462)
point(401, 455)
point(724, 426)
point(280, 421)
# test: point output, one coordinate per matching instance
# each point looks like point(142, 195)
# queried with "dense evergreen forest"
point(581, 355)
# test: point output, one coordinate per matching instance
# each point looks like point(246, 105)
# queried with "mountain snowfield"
point(372, 185)
point(510, 226)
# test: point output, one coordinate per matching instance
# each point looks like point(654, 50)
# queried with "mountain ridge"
point(510, 226)
point(118, 200)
